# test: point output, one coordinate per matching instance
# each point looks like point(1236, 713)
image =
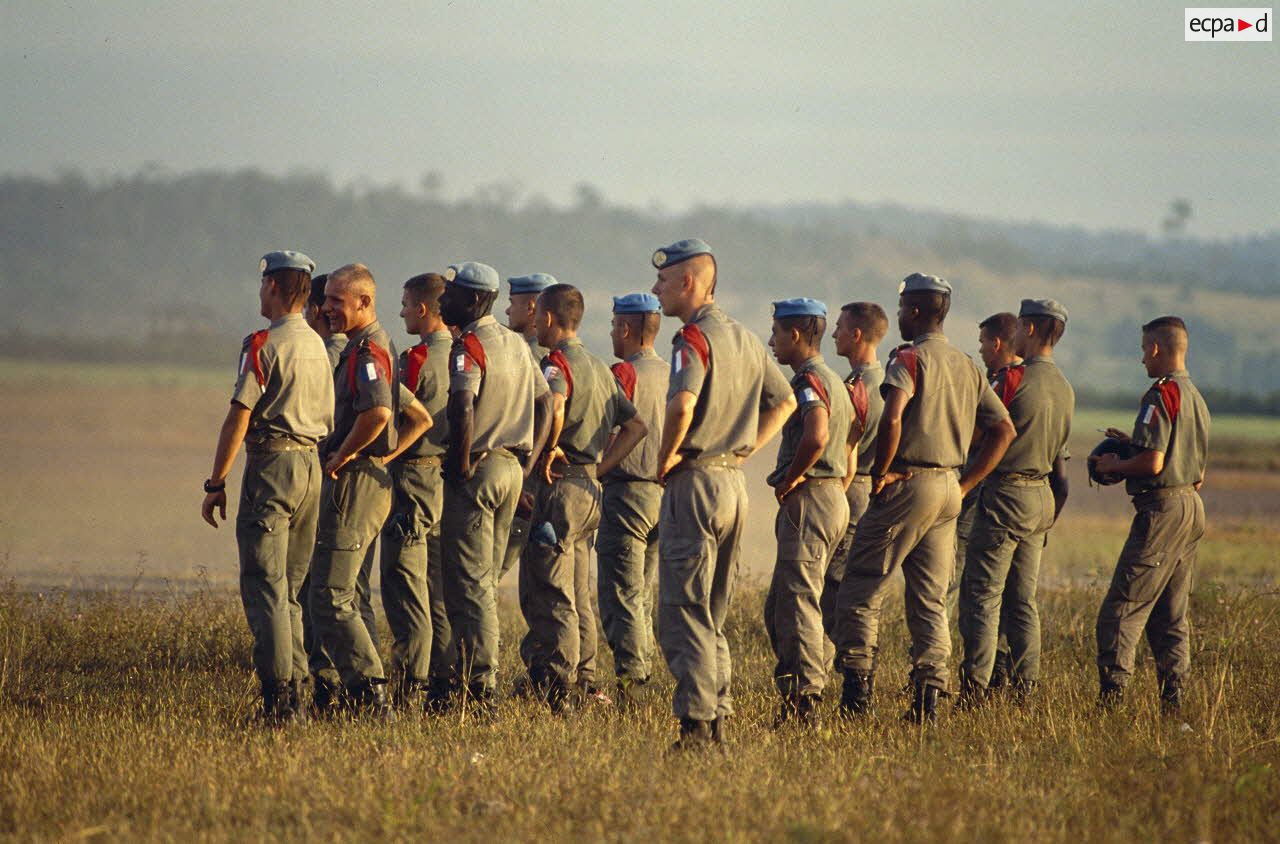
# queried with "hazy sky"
point(1095, 114)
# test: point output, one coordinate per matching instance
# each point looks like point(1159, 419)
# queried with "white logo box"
point(1227, 24)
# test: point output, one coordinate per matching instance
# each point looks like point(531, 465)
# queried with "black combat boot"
point(1023, 691)
point(631, 694)
point(275, 705)
point(369, 699)
point(972, 695)
point(855, 696)
point(1001, 672)
point(411, 694)
point(924, 704)
point(1170, 695)
point(439, 699)
point(480, 703)
point(561, 698)
point(326, 697)
point(694, 735)
point(720, 729)
point(1110, 696)
point(808, 712)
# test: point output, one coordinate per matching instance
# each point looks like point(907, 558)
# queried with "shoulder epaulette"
point(860, 399)
point(697, 341)
point(625, 374)
point(475, 349)
point(811, 378)
point(381, 361)
point(249, 360)
point(906, 355)
point(415, 359)
point(1009, 379)
point(1170, 396)
point(558, 359)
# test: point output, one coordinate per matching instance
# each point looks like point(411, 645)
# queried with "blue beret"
point(798, 307)
point(636, 303)
point(474, 275)
point(286, 259)
point(1043, 307)
point(533, 283)
point(681, 250)
point(921, 283)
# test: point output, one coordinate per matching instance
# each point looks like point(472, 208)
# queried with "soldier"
point(627, 545)
point(327, 683)
point(725, 400)
point(356, 495)
point(933, 393)
point(499, 405)
point(1016, 506)
point(412, 587)
point(523, 298)
point(859, 329)
point(281, 406)
point(996, 349)
point(1152, 580)
point(555, 568)
point(334, 342)
point(813, 512)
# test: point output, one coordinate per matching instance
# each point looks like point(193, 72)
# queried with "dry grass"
point(120, 718)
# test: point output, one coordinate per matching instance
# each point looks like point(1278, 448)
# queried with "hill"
point(165, 265)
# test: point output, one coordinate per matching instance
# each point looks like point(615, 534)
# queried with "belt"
point(862, 479)
point(274, 445)
point(1153, 496)
point(1011, 479)
point(477, 456)
point(820, 481)
point(576, 470)
point(917, 470)
point(728, 460)
point(368, 460)
point(429, 462)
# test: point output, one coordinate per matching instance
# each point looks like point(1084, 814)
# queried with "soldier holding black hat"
point(1152, 581)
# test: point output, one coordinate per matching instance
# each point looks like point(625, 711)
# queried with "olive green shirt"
point(494, 364)
point(424, 371)
point(1174, 419)
point(537, 351)
point(816, 385)
point(643, 378)
point(280, 382)
point(1040, 403)
point(863, 385)
point(594, 401)
point(727, 369)
point(366, 377)
point(947, 394)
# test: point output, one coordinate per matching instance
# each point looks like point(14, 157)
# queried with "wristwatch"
point(210, 486)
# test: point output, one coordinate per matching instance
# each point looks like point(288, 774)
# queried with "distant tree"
point(1175, 222)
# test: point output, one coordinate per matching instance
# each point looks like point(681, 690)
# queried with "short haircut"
point(317, 290)
point(425, 289)
point(1168, 331)
point(1049, 329)
point(811, 328)
point(355, 275)
point(645, 326)
point(869, 318)
point(931, 304)
point(1000, 326)
point(564, 303)
point(294, 285)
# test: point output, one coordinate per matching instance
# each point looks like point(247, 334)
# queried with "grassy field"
point(125, 681)
point(120, 719)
